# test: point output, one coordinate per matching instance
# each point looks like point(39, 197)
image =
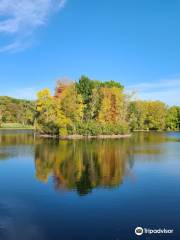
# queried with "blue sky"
point(134, 42)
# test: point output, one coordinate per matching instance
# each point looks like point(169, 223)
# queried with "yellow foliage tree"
point(112, 105)
point(71, 105)
point(60, 113)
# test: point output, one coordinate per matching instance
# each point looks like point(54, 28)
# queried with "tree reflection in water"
point(82, 165)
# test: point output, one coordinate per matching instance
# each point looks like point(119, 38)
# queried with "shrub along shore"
point(89, 109)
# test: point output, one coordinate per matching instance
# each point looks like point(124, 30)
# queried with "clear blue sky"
point(135, 42)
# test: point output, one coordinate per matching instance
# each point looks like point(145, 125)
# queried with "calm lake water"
point(88, 189)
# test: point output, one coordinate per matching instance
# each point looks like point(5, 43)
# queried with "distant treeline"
point(89, 107)
point(17, 111)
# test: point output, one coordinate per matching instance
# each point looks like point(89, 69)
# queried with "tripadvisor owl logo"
point(139, 231)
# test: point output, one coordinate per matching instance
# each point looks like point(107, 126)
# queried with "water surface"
point(88, 189)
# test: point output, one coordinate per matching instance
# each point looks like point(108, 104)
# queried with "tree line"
point(16, 111)
point(89, 107)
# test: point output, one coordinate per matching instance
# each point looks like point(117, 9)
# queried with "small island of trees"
point(89, 108)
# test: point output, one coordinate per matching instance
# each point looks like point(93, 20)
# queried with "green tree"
point(85, 88)
point(111, 84)
point(172, 119)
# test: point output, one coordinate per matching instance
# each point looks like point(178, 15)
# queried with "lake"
point(88, 189)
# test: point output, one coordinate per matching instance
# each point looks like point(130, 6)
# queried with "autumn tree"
point(60, 114)
point(17, 110)
point(156, 115)
point(138, 115)
point(71, 104)
point(111, 105)
point(147, 115)
point(47, 112)
point(61, 85)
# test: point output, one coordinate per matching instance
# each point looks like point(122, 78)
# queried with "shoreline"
point(17, 129)
point(78, 137)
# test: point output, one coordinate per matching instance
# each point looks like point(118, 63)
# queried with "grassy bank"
point(15, 126)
